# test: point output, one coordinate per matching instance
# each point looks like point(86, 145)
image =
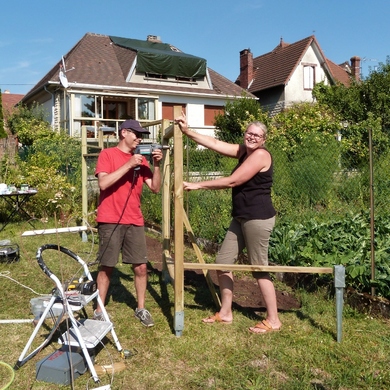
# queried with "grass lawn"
point(304, 355)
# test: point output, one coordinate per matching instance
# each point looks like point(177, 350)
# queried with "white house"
point(103, 80)
point(289, 72)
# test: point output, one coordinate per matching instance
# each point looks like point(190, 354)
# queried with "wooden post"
point(179, 230)
point(168, 266)
point(84, 180)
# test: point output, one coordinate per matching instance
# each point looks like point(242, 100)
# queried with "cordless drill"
point(147, 149)
point(85, 287)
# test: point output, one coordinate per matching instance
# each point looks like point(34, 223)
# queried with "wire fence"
point(313, 183)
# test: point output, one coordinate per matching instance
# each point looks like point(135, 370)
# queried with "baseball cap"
point(133, 125)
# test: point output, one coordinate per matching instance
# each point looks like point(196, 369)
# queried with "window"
point(113, 110)
point(210, 112)
point(167, 110)
point(146, 109)
point(308, 76)
point(84, 106)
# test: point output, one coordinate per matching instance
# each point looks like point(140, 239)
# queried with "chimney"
point(246, 68)
point(153, 38)
point(355, 67)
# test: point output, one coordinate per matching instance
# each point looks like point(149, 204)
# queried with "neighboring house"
point(9, 145)
point(103, 80)
point(10, 100)
point(288, 73)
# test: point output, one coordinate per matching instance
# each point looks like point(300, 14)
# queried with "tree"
point(303, 123)
point(28, 123)
point(49, 161)
point(362, 105)
point(231, 125)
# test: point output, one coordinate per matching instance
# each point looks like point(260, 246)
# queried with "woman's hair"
point(260, 125)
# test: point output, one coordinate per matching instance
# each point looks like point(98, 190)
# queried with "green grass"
point(304, 355)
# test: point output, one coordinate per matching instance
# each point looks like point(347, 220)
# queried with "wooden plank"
point(169, 131)
point(178, 224)
point(257, 268)
point(74, 229)
point(168, 264)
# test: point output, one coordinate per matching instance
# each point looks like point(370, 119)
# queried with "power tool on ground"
point(85, 287)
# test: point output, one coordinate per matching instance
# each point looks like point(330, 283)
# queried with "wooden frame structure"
point(173, 270)
point(176, 268)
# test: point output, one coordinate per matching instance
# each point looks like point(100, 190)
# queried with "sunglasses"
point(136, 133)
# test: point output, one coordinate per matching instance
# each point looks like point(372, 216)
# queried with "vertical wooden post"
point(179, 229)
point(168, 266)
point(84, 181)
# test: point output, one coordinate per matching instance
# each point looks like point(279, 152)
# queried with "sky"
point(34, 35)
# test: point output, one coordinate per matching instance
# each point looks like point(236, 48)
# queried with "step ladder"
point(85, 334)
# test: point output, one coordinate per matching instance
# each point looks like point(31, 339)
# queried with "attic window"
point(308, 77)
point(186, 79)
point(155, 76)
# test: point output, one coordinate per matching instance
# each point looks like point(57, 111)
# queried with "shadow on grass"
point(195, 285)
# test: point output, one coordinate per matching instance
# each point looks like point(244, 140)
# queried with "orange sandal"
point(215, 318)
point(265, 327)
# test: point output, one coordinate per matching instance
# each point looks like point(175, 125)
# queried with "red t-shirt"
point(121, 203)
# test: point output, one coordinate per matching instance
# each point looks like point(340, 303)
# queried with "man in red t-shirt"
point(121, 175)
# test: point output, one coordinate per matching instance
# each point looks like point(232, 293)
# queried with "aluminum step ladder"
point(86, 333)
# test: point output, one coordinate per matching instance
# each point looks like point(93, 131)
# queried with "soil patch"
point(246, 291)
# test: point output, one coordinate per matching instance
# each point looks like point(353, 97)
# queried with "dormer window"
point(155, 76)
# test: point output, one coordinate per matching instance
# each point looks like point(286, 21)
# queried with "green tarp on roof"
point(159, 58)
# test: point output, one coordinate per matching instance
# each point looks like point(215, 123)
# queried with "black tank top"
point(252, 199)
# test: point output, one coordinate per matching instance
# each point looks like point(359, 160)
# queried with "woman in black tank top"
point(253, 215)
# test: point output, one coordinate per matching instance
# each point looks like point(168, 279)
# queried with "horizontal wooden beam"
point(257, 268)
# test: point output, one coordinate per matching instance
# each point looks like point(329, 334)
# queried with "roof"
point(276, 67)
point(97, 62)
point(340, 73)
point(10, 100)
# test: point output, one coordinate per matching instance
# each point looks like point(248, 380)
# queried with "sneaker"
point(144, 316)
point(98, 316)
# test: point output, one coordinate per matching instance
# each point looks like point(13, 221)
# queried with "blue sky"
point(35, 34)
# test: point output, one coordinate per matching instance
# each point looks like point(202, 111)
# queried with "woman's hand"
point(190, 186)
point(182, 122)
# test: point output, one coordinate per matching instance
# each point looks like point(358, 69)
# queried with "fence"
point(332, 208)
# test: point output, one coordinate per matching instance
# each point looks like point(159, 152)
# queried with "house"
point(289, 72)
point(104, 79)
point(10, 100)
point(9, 145)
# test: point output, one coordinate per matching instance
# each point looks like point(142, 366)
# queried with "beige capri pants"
point(251, 234)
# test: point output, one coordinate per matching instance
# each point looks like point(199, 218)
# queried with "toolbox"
point(61, 367)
